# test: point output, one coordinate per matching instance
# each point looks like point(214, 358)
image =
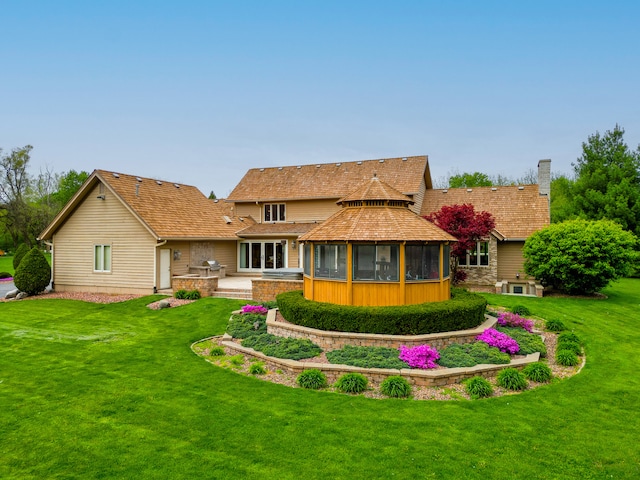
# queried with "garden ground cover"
point(114, 391)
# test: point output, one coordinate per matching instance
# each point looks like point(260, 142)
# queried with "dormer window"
point(274, 212)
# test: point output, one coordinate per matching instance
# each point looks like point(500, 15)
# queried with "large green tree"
point(15, 183)
point(469, 180)
point(607, 182)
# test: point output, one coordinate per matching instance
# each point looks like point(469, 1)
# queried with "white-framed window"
point(274, 212)
point(102, 258)
point(478, 257)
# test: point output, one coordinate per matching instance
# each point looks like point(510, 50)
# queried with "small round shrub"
point(566, 358)
point(257, 369)
point(555, 325)
point(216, 351)
point(570, 346)
point(521, 310)
point(352, 383)
point(478, 387)
point(512, 379)
point(21, 251)
point(537, 372)
point(568, 337)
point(312, 379)
point(33, 274)
point(395, 386)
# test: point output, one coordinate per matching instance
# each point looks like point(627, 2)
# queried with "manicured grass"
point(113, 391)
point(6, 262)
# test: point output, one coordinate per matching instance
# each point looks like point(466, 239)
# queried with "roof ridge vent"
point(176, 185)
point(358, 163)
point(262, 169)
point(404, 159)
point(138, 179)
point(279, 168)
point(318, 165)
point(338, 164)
point(115, 175)
point(226, 219)
point(469, 189)
point(381, 160)
point(158, 182)
point(520, 187)
point(445, 190)
point(299, 167)
point(494, 189)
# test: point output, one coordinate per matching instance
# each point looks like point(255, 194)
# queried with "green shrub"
point(571, 347)
point(312, 379)
point(528, 342)
point(555, 325)
point(21, 251)
point(246, 325)
point(464, 310)
point(579, 256)
point(257, 368)
point(237, 360)
point(5, 275)
point(34, 273)
point(367, 357)
point(471, 354)
point(566, 358)
point(187, 295)
point(282, 347)
point(512, 379)
point(395, 386)
point(521, 310)
point(538, 372)
point(352, 383)
point(568, 337)
point(216, 351)
point(478, 387)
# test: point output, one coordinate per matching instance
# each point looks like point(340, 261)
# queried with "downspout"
point(50, 244)
point(155, 265)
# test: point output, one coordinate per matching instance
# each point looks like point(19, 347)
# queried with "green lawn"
point(113, 391)
point(6, 262)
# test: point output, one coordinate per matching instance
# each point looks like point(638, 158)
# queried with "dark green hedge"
point(464, 310)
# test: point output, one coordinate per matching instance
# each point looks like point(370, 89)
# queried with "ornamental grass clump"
point(352, 383)
point(478, 387)
point(420, 356)
point(254, 309)
point(395, 386)
point(554, 325)
point(538, 372)
point(312, 379)
point(512, 379)
point(508, 319)
point(501, 341)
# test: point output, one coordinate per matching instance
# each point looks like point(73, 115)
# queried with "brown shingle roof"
point(518, 210)
point(329, 180)
point(376, 223)
point(168, 210)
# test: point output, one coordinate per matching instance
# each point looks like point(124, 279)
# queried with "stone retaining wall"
point(416, 377)
point(329, 340)
point(205, 285)
point(266, 289)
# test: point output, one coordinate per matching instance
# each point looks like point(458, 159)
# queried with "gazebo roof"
point(376, 212)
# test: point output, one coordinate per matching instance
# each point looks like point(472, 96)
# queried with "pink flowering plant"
point(500, 340)
point(420, 356)
point(508, 319)
point(255, 309)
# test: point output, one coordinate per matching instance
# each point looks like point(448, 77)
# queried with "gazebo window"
point(330, 261)
point(447, 261)
point(422, 262)
point(307, 259)
point(376, 262)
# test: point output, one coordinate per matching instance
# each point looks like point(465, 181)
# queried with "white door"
point(165, 268)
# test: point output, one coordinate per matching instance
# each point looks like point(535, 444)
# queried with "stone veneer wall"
point(205, 285)
point(330, 340)
point(484, 276)
point(266, 289)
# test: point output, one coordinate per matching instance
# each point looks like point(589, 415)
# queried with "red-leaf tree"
point(468, 226)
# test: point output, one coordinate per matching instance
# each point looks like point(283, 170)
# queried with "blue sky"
point(200, 91)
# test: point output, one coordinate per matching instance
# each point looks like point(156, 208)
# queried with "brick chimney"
point(544, 177)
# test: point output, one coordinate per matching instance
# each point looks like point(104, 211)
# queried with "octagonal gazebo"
point(375, 251)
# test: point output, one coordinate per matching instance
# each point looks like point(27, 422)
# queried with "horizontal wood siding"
point(510, 260)
point(248, 210)
point(178, 266)
point(225, 252)
point(105, 222)
point(310, 210)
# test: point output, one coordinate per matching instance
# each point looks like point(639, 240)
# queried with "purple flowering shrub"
point(420, 356)
point(500, 340)
point(508, 319)
point(256, 309)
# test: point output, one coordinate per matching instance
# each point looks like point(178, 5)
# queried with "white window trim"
point(478, 256)
point(101, 248)
point(277, 210)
